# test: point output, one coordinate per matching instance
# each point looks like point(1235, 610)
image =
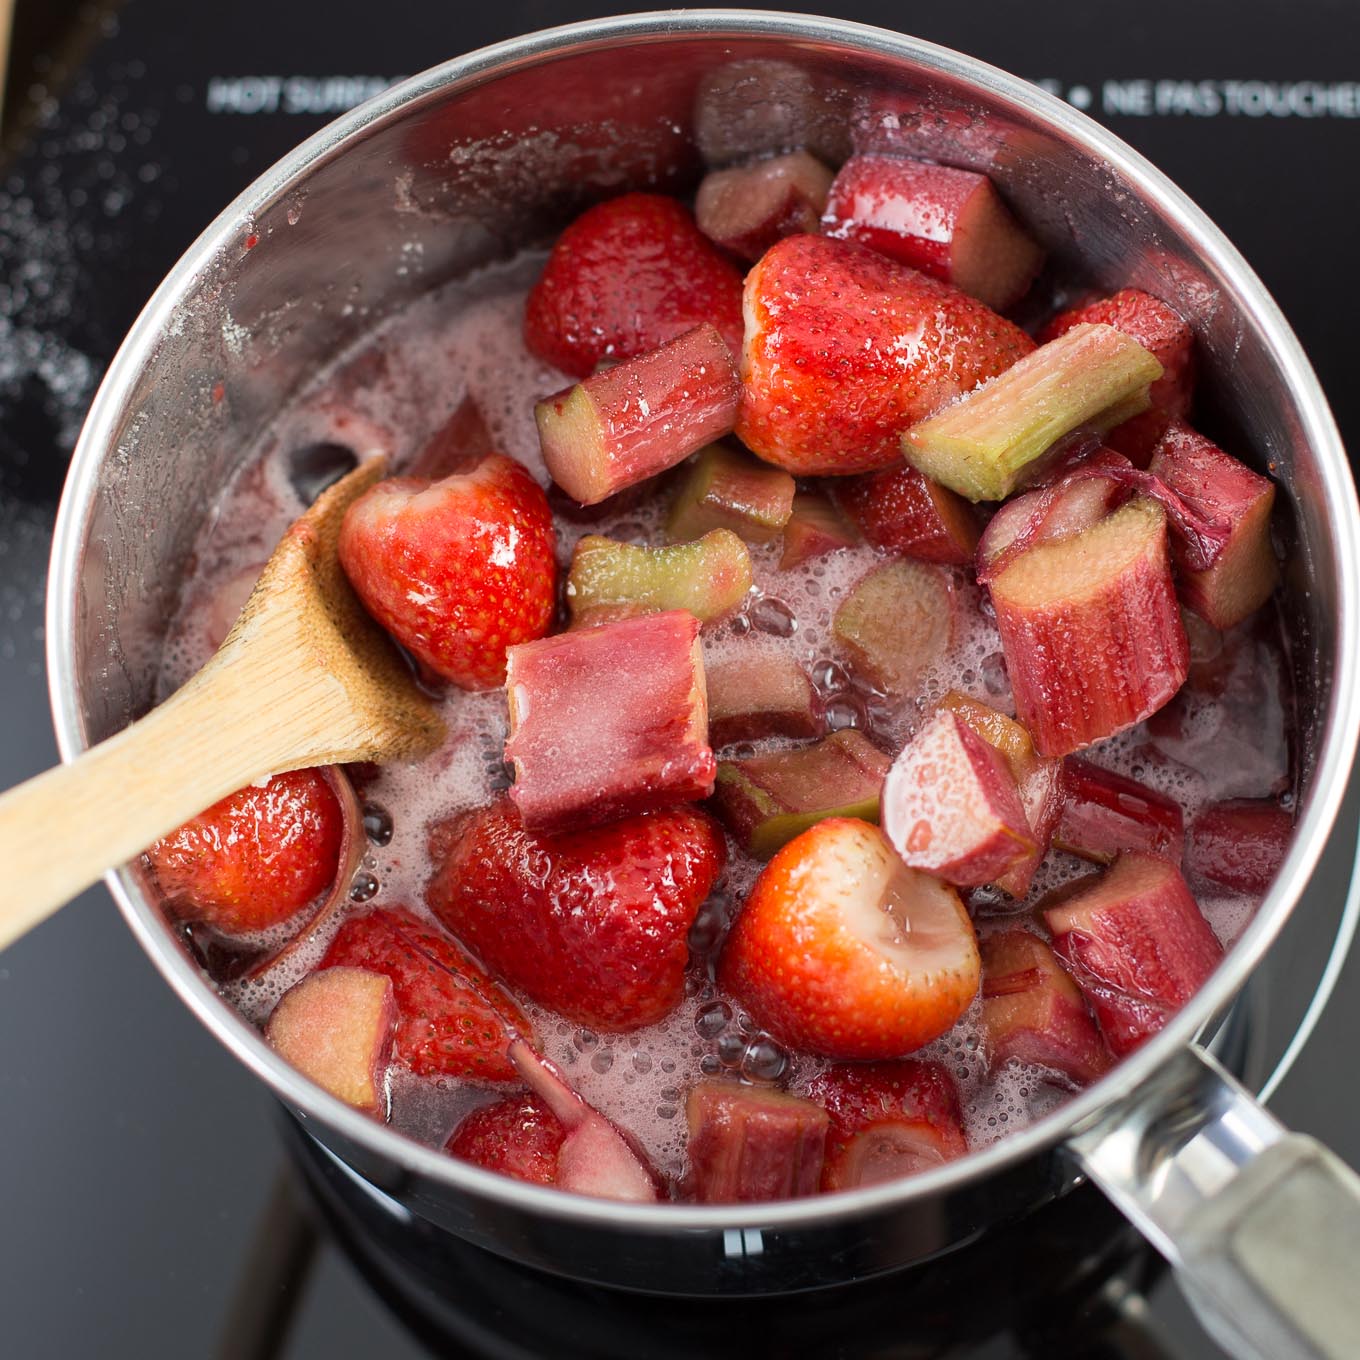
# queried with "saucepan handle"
point(1261, 1225)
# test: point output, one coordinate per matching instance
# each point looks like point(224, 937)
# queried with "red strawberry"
point(845, 349)
point(255, 858)
point(452, 1020)
point(1162, 331)
point(591, 923)
point(888, 1119)
point(624, 278)
point(518, 1136)
point(456, 570)
point(844, 951)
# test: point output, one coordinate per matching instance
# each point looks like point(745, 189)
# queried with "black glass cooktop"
point(147, 1206)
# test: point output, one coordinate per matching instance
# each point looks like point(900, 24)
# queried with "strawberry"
point(255, 858)
point(846, 349)
point(844, 951)
point(452, 1020)
point(888, 1119)
point(624, 278)
point(1164, 333)
point(518, 1136)
point(456, 570)
point(592, 923)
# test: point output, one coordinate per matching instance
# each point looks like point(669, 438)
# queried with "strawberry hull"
point(639, 418)
point(948, 223)
point(1032, 1011)
point(1091, 630)
point(836, 363)
point(747, 1143)
point(631, 694)
point(1104, 813)
point(747, 208)
point(900, 511)
point(1136, 944)
point(1239, 844)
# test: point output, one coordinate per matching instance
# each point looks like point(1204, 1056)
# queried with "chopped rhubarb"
point(1244, 572)
point(1167, 336)
point(765, 801)
point(987, 442)
point(458, 445)
point(747, 208)
point(1104, 813)
point(888, 1120)
point(1239, 844)
point(640, 417)
point(612, 580)
point(952, 808)
point(725, 489)
point(896, 624)
point(900, 511)
point(948, 223)
point(336, 1027)
point(594, 1158)
point(815, 528)
point(1136, 944)
point(761, 692)
point(1038, 779)
point(608, 721)
point(749, 1143)
point(1091, 630)
point(1033, 1012)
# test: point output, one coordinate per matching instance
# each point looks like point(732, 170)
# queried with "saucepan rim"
point(823, 38)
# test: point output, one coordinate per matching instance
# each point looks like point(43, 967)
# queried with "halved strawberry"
point(844, 951)
point(592, 923)
point(255, 858)
point(888, 1119)
point(845, 349)
point(458, 570)
point(625, 277)
point(452, 1020)
point(518, 1136)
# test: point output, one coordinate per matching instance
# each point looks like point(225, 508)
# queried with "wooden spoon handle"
point(61, 830)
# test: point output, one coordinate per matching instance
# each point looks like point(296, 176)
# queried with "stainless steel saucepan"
point(494, 150)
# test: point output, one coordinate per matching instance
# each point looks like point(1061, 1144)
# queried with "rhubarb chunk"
point(952, 808)
point(900, 511)
point(1033, 1012)
point(1038, 780)
point(639, 418)
point(987, 442)
point(612, 580)
point(888, 1120)
point(1091, 630)
point(1104, 813)
point(747, 208)
point(897, 624)
point(725, 489)
point(948, 223)
point(608, 721)
point(748, 1144)
point(763, 692)
point(815, 528)
point(1244, 573)
point(1136, 944)
point(765, 801)
point(458, 445)
point(336, 1028)
point(1239, 844)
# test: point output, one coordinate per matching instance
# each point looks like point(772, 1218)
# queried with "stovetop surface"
point(139, 1162)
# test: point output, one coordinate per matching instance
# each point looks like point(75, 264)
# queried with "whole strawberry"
point(624, 278)
point(518, 1136)
point(845, 349)
point(842, 950)
point(452, 1020)
point(592, 923)
point(456, 570)
point(255, 858)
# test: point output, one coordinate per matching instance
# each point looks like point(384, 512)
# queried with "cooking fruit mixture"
point(867, 719)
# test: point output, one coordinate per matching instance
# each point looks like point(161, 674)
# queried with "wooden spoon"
point(304, 678)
